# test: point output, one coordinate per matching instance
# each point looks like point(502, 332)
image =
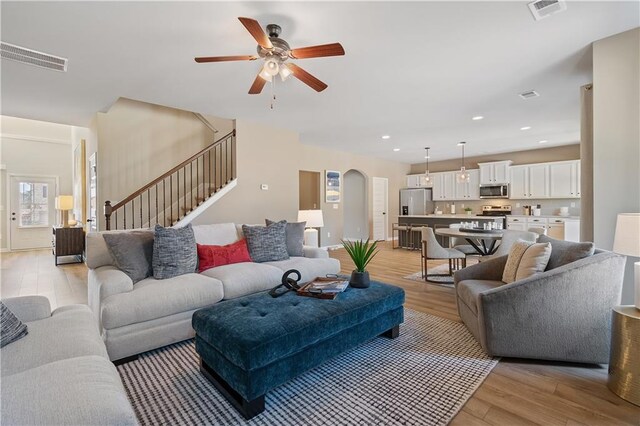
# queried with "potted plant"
point(468, 210)
point(361, 253)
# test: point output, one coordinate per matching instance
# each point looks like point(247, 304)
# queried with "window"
point(34, 204)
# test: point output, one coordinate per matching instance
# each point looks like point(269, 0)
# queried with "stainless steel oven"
point(494, 191)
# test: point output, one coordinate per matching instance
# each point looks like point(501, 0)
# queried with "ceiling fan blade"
point(257, 32)
point(333, 49)
point(203, 59)
point(307, 78)
point(257, 85)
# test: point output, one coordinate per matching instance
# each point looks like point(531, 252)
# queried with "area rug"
point(440, 269)
point(423, 377)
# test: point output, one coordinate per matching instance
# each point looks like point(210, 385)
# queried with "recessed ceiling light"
point(477, 117)
point(386, 137)
point(525, 128)
point(545, 141)
point(396, 149)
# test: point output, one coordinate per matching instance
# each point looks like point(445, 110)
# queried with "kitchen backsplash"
point(548, 207)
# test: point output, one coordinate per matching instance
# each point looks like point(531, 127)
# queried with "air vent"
point(32, 57)
point(529, 94)
point(543, 8)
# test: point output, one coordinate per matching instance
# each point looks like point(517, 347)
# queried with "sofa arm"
point(106, 281)
point(29, 308)
point(488, 270)
point(561, 314)
point(315, 252)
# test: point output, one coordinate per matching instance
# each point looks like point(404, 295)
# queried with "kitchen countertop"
point(545, 216)
point(454, 216)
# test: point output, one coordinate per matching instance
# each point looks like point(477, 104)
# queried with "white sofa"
point(154, 313)
point(59, 373)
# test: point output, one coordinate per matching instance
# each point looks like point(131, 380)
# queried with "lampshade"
point(627, 240)
point(312, 217)
point(64, 202)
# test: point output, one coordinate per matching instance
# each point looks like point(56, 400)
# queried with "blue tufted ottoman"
point(250, 345)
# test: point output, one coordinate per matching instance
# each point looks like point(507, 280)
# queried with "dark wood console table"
point(68, 242)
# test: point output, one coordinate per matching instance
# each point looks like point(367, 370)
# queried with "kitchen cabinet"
point(564, 179)
point(468, 190)
point(414, 181)
point(560, 228)
point(516, 224)
point(529, 181)
point(444, 186)
point(494, 173)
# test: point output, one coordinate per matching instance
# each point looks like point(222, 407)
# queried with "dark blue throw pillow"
point(174, 252)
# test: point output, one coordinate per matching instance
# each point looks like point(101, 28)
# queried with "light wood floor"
point(515, 393)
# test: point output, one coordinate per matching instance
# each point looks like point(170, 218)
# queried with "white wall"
point(32, 147)
point(616, 138)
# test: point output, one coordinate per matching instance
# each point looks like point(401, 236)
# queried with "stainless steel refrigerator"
point(416, 202)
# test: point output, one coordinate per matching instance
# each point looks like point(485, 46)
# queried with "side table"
point(68, 242)
point(624, 361)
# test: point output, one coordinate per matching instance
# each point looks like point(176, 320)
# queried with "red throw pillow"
point(212, 256)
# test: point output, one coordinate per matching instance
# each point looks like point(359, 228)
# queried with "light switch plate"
point(264, 187)
point(573, 204)
point(335, 207)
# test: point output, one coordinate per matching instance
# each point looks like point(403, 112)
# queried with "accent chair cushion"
point(565, 252)
point(212, 256)
point(12, 328)
point(174, 252)
point(132, 252)
point(267, 243)
point(525, 260)
point(294, 233)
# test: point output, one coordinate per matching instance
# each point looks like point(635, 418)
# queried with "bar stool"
point(396, 227)
point(415, 239)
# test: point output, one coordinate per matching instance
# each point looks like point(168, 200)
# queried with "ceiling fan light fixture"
point(265, 75)
point(285, 72)
point(271, 67)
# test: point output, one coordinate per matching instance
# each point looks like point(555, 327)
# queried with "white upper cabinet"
point(449, 185)
point(438, 190)
point(564, 179)
point(494, 173)
point(469, 190)
point(414, 181)
point(519, 187)
point(539, 181)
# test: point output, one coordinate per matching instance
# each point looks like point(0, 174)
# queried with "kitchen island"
point(413, 239)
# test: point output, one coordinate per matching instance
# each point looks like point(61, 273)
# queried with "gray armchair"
point(562, 314)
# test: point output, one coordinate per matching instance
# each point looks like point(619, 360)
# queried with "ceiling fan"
point(276, 52)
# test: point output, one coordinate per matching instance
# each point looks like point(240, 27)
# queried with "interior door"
point(380, 208)
point(32, 211)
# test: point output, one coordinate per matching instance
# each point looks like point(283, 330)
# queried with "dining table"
point(484, 241)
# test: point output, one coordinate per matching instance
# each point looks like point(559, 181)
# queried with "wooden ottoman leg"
point(392, 333)
point(248, 409)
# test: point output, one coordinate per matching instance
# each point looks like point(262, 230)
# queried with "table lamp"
point(64, 203)
point(314, 220)
point(627, 242)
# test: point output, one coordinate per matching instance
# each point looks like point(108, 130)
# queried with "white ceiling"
point(415, 71)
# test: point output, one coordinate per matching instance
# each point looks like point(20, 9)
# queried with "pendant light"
point(463, 175)
point(427, 176)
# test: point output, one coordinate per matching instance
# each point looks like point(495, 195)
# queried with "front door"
point(380, 207)
point(32, 211)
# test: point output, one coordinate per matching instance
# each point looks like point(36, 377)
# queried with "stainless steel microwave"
point(494, 191)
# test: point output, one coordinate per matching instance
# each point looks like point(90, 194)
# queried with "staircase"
point(179, 195)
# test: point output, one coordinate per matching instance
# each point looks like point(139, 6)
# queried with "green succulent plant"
point(361, 252)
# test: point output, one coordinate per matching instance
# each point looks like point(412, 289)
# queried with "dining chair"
point(538, 230)
point(432, 250)
point(461, 244)
point(510, 236)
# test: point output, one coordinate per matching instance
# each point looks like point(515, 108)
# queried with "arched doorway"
point(356, 206)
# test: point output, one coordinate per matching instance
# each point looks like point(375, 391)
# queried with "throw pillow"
point(294, 232)
point(565, 252)
point(132, 252)
point(267, 243)
point(212, 256)
point(174, 252)
point(12, 328)
point(525, 259)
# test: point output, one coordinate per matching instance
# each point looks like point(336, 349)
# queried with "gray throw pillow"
point(174, 252)
point(294, 233)
point(565, 252)
point(12, 328)
point(132, 251)
point(267, 243)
